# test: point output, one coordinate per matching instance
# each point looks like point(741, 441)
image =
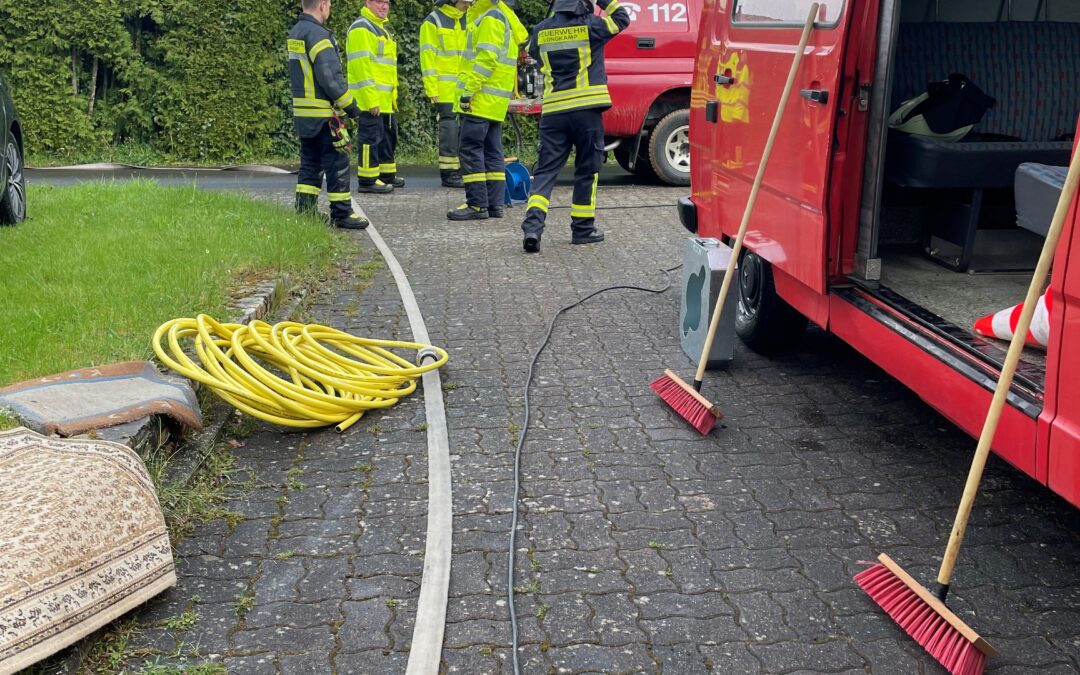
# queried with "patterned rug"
point(103, 396)
point(82, 541)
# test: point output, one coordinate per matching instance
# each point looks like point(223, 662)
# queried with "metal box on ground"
point(704, 263)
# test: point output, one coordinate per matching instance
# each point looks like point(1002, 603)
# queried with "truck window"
point(780, 13)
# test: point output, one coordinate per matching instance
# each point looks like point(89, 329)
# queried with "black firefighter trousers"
point(318, 157)
point(482, 162)
point(583, 132)
point(376, 142)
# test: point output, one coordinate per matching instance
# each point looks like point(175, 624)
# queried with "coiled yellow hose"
point(293, 374)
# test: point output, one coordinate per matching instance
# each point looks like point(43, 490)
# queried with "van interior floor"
point(956, 297)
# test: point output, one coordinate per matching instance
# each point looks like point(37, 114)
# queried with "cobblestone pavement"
point(644, 547)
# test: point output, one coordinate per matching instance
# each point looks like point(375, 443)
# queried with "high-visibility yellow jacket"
point(442, 42)
point(372, 67)
point(488, 69)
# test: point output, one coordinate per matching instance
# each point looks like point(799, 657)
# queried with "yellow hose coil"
point(293, 374)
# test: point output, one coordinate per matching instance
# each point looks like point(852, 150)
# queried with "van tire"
point(669, 148)
point(763, 320)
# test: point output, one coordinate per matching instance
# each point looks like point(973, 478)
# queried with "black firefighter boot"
point(451, 178)
point(373, 187)
point(354, 221)
point(466, 212)
point(393, 180)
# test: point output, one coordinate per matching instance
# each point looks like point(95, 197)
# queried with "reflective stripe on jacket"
point(570, 49)
point(315, 77)
point(488, 70)
point(442, 43)
point(372, 66)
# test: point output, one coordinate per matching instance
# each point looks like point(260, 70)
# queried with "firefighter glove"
point(340, 136)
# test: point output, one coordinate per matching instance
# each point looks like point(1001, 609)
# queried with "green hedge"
point(196, 80)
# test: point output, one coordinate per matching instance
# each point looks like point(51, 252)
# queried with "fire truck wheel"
point(669, 148)
point(763, 320)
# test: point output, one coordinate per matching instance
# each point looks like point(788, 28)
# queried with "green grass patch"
point(8, 419)
point(99, 266)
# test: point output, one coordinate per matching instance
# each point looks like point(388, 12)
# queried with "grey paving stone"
point(371, 661)
point(615, 618)
point(283, 639)
point(762, 617)
point(215, 567)
point(680, 629)
point(560, 616)
point(326, 529)
point(646, 571)
point(813, 657)
point(730, 657)
point(278, 580)
point(295, 614)
point(313, 663)
point(365, 588)
point(477, 632)
point(262, 664)
point(890, 656)
point(324, 579)
point(683, 659)
point(365, 626)
point(600, 659)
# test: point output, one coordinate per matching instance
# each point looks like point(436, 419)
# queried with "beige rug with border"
point(82, 542)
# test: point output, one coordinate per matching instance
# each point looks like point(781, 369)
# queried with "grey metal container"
point(704, 263)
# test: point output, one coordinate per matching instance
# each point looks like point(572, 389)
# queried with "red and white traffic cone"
point(1002, 325)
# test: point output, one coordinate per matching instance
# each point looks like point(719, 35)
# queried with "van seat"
point(1038, 187)
point(1028, 67)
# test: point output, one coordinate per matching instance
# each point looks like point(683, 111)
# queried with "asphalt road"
point(259, 181)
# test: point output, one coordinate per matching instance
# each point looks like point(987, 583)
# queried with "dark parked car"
point(12, 179)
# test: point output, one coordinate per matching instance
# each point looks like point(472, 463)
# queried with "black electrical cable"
point(521, 442)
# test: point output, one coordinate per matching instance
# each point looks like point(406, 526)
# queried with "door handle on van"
point(723, 79)
point(712, 109)
point(815, 95)
point(646, 43)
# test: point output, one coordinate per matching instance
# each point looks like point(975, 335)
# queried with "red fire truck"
point(649, 68)
point(897, 243)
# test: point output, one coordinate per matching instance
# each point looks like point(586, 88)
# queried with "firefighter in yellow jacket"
point(486, 78)
point(373, 80)
point(442, 42)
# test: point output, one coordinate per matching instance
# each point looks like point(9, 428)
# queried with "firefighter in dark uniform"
point(318, 92)
point(570, 48)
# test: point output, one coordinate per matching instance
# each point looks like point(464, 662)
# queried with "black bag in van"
point(948, 110)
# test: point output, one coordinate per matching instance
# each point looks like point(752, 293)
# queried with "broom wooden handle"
point(1016, 345)
point(737, 248)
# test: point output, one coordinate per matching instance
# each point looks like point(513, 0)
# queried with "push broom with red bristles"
point(923, 614)
point(686, 399)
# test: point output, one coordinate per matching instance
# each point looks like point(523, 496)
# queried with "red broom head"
point(922, 616)
point(692, 406)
